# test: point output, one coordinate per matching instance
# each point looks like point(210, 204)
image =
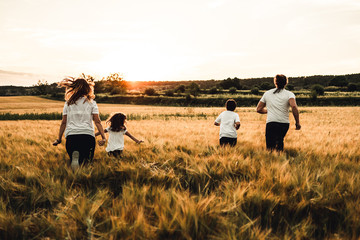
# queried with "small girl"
point(117, 130)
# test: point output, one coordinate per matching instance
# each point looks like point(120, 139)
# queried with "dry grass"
point(179, 184)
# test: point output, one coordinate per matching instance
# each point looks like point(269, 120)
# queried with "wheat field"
point(179, 184)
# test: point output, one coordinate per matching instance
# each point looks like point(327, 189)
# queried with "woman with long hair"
point(277, 102)
point(80, 110)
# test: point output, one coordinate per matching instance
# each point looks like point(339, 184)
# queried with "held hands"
point(101, 142)
point(298, 126)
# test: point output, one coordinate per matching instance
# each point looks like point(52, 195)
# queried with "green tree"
point(319, 89)
point(41, 88)
point(266, 86)
point(313, 95)
point(169, 92)
point(181, 88)
point(115, 83)
point(194, 89)
point(255, 91)
point(228, 83)
point(232, 90)
point(213, 90)
point(339, 81)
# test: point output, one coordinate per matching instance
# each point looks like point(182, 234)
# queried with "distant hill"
point(303, 82)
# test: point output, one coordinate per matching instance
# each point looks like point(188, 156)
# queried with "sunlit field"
point(179, 184)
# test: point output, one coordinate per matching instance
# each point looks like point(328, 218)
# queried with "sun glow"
point(140, 64)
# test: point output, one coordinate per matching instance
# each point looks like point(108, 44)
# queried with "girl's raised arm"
point(133, 138)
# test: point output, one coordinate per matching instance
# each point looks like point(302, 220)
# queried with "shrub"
point(266, 86)
point(180, 88)
point(352, 87)
point(150, 91)
point(169, 93)
point(319, 89)
point(213, 90)
point(255, 91)
point(313, 95)
point(228, 83)
point(332, 89)
point(232, 90)
point(194, 89)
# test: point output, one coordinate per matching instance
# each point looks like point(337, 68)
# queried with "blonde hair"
point(77, 88)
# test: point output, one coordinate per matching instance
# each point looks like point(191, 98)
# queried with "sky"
point(177, 40)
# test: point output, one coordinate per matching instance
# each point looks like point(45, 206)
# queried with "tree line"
point(114, 84)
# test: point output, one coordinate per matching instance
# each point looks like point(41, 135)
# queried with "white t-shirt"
point(116, 140)
point(80, 117)
point(277, 105)
point(227, 120)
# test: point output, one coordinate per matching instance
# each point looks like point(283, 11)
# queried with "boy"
point(229, 122)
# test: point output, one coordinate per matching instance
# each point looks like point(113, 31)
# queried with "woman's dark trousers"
point(84, 144)
point(275, 133)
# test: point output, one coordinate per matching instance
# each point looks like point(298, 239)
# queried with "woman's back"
point(277, 105)
point(80, 117)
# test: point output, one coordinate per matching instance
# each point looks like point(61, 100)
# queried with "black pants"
point(275, 133)
point(228, 141)
point(116, 153)
point(84, 144)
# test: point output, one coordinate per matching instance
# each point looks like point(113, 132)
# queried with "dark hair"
point(230, 104)
point(116, 122)
point(77, 88)
point(280, 82)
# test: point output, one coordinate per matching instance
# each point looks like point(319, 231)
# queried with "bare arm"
point(133, 138)
point(261, 108)
point(216, 124)
point(61, 130)
point(295, 112)
point(98, 133)
point(97, 122)
point(237, 125)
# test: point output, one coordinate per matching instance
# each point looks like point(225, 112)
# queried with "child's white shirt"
point(227, 120)
point(115, 141)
